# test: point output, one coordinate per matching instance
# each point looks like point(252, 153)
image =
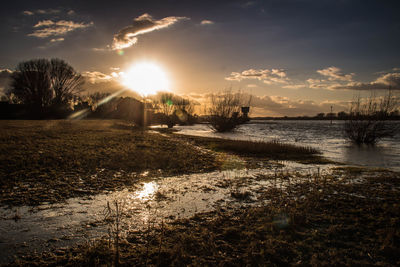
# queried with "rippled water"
point(323, 135)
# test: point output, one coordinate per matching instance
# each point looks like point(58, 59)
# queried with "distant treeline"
point(395, 115)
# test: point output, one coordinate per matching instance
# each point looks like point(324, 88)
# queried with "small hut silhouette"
point(245, 111)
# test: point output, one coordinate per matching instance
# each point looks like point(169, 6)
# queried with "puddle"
point(29, 229)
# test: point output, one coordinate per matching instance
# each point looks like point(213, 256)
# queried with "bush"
point(224, 113)
point(367, 121)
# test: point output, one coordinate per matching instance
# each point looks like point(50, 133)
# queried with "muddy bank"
point(347, 219)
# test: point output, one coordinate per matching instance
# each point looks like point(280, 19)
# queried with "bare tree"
point(224, 111)
point(184, 111)
point(43, 83)
point(65, 81)
point(166, 106)
point(31, 84)
point(367, 120)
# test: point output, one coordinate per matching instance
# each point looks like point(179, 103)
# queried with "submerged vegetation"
point(367, 122)
point(271, 150)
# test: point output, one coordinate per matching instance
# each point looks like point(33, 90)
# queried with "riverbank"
point(50, 161)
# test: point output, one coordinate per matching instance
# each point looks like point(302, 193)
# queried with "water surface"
point(323, 135)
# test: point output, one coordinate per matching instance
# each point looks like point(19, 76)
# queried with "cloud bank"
point(384, 82)
point(282, 106)
point(145, 23)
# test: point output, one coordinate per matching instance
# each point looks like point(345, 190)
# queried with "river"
point(328, 138)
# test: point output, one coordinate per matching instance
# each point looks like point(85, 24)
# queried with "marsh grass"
point(49, 161)
point(273, 150)
point(324, 221)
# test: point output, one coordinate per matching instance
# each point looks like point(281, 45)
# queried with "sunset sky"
point(296, 57)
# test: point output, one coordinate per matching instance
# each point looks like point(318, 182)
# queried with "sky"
point(296, 57)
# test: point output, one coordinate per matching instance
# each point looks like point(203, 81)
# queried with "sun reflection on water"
point(148, 190)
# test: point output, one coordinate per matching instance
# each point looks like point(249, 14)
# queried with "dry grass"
point(54, 160)
point(271, 150)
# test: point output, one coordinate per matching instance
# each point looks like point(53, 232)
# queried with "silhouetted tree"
point(43, 84)
point(184, 111)
point(166, 106)
point(224, 112)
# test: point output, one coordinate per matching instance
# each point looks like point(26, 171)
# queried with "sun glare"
point(146, 78)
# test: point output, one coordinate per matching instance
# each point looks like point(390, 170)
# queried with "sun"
point(146, 78)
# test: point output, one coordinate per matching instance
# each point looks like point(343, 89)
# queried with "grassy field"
point(54, 160)
point(50, 161)
point(324, 221)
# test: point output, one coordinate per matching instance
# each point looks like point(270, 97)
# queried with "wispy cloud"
point(28, 13)
point(334, 73)
point(207, 22)
point(145, 23)
point(294, 86)
point(55, 40)
point(49, 11)
point(50, 28)
point(267, 76)
point(96, 76)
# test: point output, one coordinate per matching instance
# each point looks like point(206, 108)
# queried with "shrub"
point(224, 112)
point(367, 121)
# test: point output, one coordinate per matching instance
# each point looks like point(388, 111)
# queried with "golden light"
point(148, 190)
point(146, 78)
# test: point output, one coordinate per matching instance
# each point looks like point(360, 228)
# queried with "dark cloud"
point(145, 23)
